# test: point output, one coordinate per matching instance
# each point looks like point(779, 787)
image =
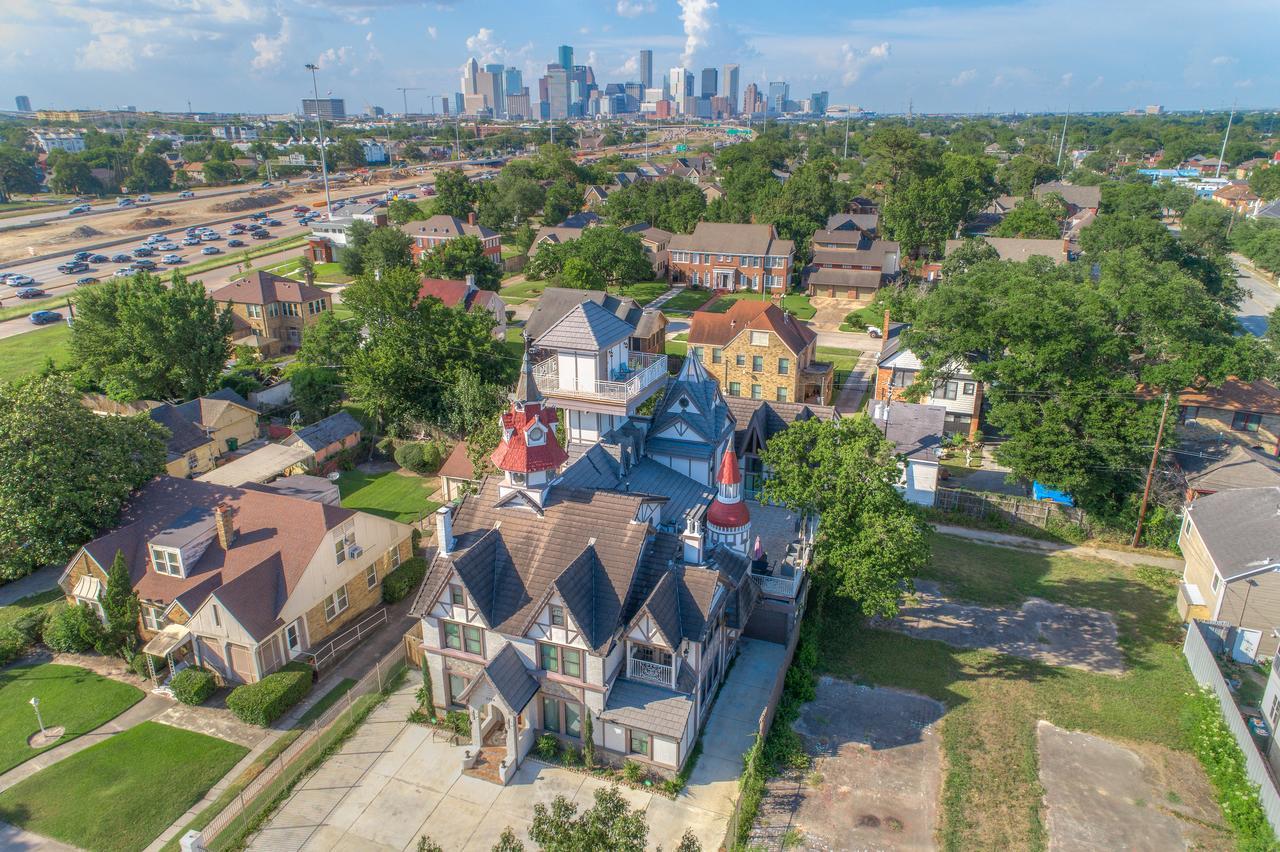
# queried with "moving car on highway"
point(172, 258)
point(31, 293)
point(88, 279)
point(45, 317)
point(186, 193)
point(211, 250)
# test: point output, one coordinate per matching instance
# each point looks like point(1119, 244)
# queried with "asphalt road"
point(1260, 300)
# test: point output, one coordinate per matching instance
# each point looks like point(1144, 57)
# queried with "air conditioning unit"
point(355, 551)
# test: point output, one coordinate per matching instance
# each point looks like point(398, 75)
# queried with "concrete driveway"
point(393, 782)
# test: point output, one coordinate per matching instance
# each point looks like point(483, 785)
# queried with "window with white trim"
point(759, 338)
point(371, 575)
point(335, 604)
point(166, 561)
point(343, 538)
point(1217, 581)
point(395, 556)
point(153, 618)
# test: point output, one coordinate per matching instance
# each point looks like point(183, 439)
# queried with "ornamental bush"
point(72, 630)
point(403, 580)
point(1224, 763)
point(263, 702)
point(192, 686)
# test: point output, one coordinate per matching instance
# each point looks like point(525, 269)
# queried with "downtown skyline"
point(941, 57)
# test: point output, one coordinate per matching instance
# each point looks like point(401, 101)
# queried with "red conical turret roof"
point(728, 511)
point(729, 473)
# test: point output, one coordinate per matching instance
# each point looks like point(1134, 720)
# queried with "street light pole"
point(324, 165)
point(35, 702)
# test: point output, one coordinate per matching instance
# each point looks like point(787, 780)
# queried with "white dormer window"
point(535, 436)
point(167, 561)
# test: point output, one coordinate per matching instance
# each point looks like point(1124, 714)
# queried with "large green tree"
point(457, 258)
point(562, 200)
point(120, 606)
point(64, 471)
point(1031, 219)
point(871, 542)
point(1204, 228)
point(1265, 182)
point(138, 339)
point(608, 824)
point(673, 204)
point(149, 173)
point(17, 172)
point(604, 255)
point(328, 342)
point(455, 193)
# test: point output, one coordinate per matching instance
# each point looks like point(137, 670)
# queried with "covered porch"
point(173, 645)
point(501, 731)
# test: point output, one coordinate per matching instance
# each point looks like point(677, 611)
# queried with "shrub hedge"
point(263, 702)
point(72, 630)
point(403, 580)
point(192, 686)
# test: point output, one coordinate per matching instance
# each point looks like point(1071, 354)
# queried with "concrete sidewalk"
point(393, 782)
point(1124, 557)
point(38, 581)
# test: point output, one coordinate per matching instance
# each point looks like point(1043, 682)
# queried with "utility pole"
point(1218, 171)
point(1062, 144)
point(324, 158)
point(846, 132)
point(1151, 471)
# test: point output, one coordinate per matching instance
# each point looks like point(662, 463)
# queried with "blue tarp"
point(1044, 492)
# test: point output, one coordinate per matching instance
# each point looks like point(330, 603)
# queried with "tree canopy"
point(602, 256)
point(457, 258)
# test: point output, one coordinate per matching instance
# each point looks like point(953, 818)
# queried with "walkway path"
point(1124, 557)
point(666, 297)
point(856, 384)
point(34, 583)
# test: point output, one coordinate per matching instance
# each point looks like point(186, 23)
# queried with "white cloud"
point(855, 62)
point(268, 51)
point(1066, 79)
point(107, 52)
point(1223, 60)
point(634, 8)
point(486, 48)
point(1097, 82)
point(1243, 84)
point(591, 58)
point(630, 69)
point(696, 15)
point(964, 77)
point(431, 33)
point(335, 56)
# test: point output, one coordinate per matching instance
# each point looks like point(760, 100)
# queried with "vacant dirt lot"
point(1051, 633)
point(1103, 795)
point(875, 779)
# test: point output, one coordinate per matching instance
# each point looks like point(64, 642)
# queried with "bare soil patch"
point(149, 223)
point(253, 201)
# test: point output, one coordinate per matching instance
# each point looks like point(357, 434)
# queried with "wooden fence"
point(1007, 507)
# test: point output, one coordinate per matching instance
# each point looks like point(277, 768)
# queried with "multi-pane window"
point(254, 311)
point(561, 717)
point(456, 596)
point(968, 388)
point(757, 392)
point(717, 355)
point(735, 389)
point(557, 615)
point(371, 575)
point(696, 351)
point(457, 686)
point(335, 604)
point(759, 338)
point(561, 660)
point(463, 637)
point(395, 556)
point(784, 366)
point(757, 363)
point(343, 538)
point(638, 743)
point(740, 360)
point(782, 394)
point(153, 618)
point(948, 390)
point(1243, 421)
point(167, 561)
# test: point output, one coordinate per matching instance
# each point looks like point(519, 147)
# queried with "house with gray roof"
point(606, 572)
point(329, 436)
point(916, 432)
point(1231, 543)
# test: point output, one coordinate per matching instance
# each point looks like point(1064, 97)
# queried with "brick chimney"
point(223, 520)
point(884, 329)
point(471, 218)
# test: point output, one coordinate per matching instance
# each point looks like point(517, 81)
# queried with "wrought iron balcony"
point(647, 672)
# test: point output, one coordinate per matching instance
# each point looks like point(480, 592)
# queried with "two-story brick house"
point(240, 580)
point(730, 257)
point(439, 229)
point(757, 350)
point(604, 576)
point(271, 313)
point(849, 261)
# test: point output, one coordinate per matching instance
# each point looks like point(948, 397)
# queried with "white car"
point(172, 258)
point(186, 193)
point(123, 272)
point(144, 197)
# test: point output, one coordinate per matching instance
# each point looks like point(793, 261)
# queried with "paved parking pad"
point(876, 774)
point(1051, 633)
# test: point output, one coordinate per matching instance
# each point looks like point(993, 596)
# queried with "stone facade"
point(360, 596)
point(279, 324)
point(734, 366)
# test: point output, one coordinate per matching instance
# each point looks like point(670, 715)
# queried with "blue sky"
point(942, 56)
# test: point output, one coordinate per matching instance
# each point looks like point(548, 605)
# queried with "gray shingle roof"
point(1242, 467)
point(587, 326)
point(915, 430)
point(555, 302)
point(334, 428)
point(507, 674)
point(649, 708)
point(184, 436)
point(706, 412)
point(759, 420)
point(1240, 529)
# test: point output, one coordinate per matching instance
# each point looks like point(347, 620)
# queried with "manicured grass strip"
point(862, 318)
point(15, 307)
point(687, 300)
point(991, 795)
point(798, 304)
point(725, 302)
point(121, 793)
point(390, 495)
point(518, 294)
point(326, 701)
point(644, 292)
point(47, 599)
point(234, 256)
point(27, 353)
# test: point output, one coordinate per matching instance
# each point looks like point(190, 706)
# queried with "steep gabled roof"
point(263, 288)
point(587, 326)
point(508, 677)
point(707, 328)
point(707, 414)
point(184, 436)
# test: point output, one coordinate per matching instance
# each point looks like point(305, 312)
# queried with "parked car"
point(186, 193)
point(88, 279)
point(172, 258)
point(120, 258)
point(31, 293)
point(45, 317)
point(78, 209)
point(99, 258)
point(874, 331)
point(211, 250)
point(235, 243)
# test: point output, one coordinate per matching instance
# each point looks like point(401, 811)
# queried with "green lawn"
point(121, 793)
point(644, 292)
point(15, 307)
point(686, 300)
point(230, 258)
point(391, 495)
point(844, 359)
point(26, 353)
point(991, 797)
point(725, 302)
point(44, 600)
point(329, 699)
point(677, 347)
point(863, 317)
point(70, 696)
point(518, 294)
point(798, 304)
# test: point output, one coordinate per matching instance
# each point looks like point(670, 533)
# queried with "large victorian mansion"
point(612, 564)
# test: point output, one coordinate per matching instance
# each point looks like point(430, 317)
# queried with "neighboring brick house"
point(1236, 412)
point(239, 580)
point(440, 229)
point(595, 196)
point(722, 256)
point(1238, 198)
point(960, 393)
point(271, 313)
point(655, 242)
point(328, 437)
point(1232, 571)
point(466, 294)
point(759, 351)
point(849, 262)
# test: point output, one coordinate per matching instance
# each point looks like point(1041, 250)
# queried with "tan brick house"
point(271, 312)
point(722, 256)
point(440, 229)
point(1239, 413)
point(759, 351)
point(240, 580)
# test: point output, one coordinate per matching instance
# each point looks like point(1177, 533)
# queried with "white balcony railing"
point(641, 370)
point(648, 672)
point(780, 587)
